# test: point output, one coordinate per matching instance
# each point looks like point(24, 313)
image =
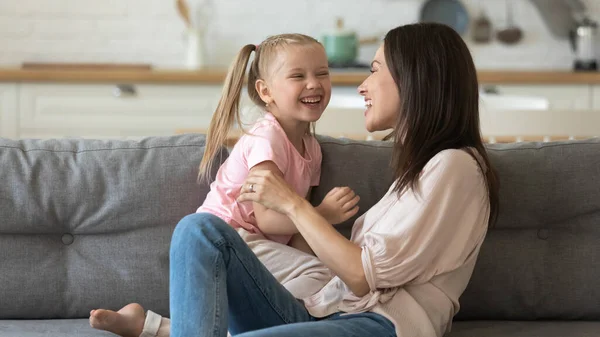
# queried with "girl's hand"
point(339, 205)
point(269, 190)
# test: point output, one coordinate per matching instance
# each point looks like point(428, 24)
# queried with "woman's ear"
point(263, 91)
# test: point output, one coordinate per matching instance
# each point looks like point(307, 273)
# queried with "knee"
point(203, 227)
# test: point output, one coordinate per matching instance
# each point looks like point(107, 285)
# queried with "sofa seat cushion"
point(525, 329)
point(53, 327)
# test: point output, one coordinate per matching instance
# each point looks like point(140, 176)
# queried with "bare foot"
point(127, 322)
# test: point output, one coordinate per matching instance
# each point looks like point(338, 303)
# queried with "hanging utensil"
point(449, 12)
point(184, 12)
point(511, 34)
point(482, 27)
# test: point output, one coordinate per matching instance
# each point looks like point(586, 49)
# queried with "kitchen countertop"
point(216, 76)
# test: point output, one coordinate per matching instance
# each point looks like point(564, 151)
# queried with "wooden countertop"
point(216, 76)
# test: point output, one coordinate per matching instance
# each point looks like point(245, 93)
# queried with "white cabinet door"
point(596, 97)
point(114, 111)
point(552, 97)
point(8, 110)
point(535, 124)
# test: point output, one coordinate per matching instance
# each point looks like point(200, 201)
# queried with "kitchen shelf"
point(216, 76)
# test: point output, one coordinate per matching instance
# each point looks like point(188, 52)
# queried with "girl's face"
point(297, 86)
point(382, 98)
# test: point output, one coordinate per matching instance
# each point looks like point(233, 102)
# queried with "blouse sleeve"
point(447, 221)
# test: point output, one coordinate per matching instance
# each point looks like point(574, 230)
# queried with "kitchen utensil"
point(195, 14)
point(184, 12)
point(194, 58)
point(583, 43)
point(341, 45)
point(450, 12)
point(511, 34)
point(482, 27)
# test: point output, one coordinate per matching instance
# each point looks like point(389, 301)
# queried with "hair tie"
point(257, 46)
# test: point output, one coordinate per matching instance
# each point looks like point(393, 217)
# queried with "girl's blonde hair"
point(227, 111)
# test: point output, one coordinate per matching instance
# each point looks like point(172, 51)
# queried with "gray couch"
point(86, 224)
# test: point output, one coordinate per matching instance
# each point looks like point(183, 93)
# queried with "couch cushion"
point(54, 328)
point(524, 329)
point(540, 261)
point(87, 224)
point(360, 165)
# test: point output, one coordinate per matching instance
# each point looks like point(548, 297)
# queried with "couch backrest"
point(87, 224)
point(363, 166)
point(538, 262)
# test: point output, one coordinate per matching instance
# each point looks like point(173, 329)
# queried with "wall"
point(150, 31)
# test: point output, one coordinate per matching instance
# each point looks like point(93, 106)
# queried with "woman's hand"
point(269, 190)
point(339, 205)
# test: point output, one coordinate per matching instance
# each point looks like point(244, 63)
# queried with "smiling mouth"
point(311, 100)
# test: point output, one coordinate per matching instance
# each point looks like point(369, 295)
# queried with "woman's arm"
point(339, 254)
point(297, 241)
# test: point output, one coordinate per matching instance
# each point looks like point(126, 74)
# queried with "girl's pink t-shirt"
point(266, 141)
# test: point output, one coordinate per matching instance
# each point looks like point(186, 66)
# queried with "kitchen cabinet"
point(92, 110)
point(555, 97)
point(8, 110)
point(94, 104)
point(105, 110)
point(113, 110)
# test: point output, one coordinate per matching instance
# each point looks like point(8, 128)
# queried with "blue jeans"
point(217, 284)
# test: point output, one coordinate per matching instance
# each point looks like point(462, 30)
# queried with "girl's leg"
point(216, 281)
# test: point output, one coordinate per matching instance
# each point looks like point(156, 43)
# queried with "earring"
point(267, 105)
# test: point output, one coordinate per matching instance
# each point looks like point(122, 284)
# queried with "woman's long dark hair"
point(439, 95)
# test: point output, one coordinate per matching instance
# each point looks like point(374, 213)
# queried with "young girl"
point(289, 79)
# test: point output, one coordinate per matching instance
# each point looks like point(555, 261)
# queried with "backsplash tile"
point(151, 31)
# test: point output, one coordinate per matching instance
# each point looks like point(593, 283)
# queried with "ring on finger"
point(251, 188)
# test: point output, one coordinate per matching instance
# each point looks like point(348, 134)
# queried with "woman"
point(410, 256)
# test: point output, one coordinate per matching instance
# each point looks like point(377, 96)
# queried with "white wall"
point(150, 31)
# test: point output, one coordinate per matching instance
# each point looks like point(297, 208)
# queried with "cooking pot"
point(341, 45)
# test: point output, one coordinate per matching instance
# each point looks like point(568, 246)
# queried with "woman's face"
point(382, 98)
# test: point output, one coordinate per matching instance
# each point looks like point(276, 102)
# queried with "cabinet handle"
point(490, 89)
point(124, 90)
